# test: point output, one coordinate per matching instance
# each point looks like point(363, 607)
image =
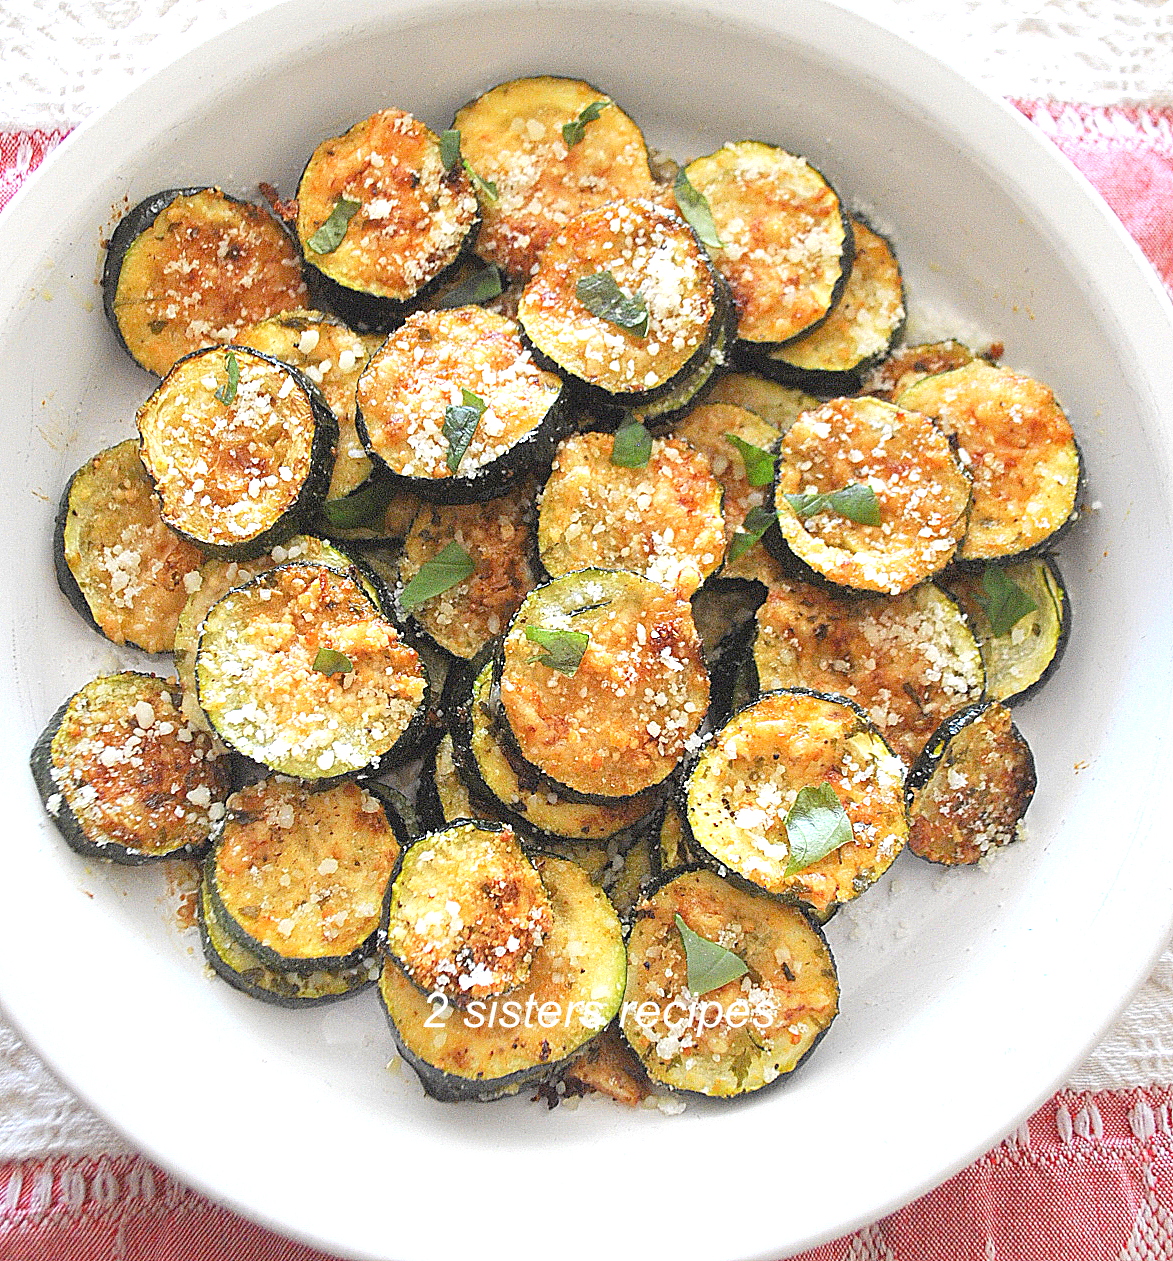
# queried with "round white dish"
point(966, 995)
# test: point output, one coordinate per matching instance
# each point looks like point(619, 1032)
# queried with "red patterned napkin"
point(1087, 1178)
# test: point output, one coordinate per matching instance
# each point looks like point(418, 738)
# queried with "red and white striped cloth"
point(1088, 1178)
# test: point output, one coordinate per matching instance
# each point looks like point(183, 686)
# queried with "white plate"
point(966, 995)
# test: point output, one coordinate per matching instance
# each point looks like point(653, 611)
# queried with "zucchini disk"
point(117, 563)
point(747, 1033)
point(297, 670)
point(415, 415)
point(860, 330)
point(709, 428)
point(653, 315)
point(495, 1047)
point(245, 971)
point(777, 405)
point(380, 218)
point(910, 364)
point(124, 776)
point(467, 912)
point(638, 864)
point(531, 805)
point(909, 661)
point(972, 785)
point(619, 719)
point(498, 536)
point(786, 242)
point(676, 850)
point(333, 357)
point(1021, 659)
point(662, 520)
point(920, 489)
point(298, 875)
point(1019, 448)
point(441, 796)
point(723, 610)
point(240, 448)
point(190, 267)
point(513, 137)
point(743, 784)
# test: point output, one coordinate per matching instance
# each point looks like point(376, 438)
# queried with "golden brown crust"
point(911, 364)
point(611, 1068)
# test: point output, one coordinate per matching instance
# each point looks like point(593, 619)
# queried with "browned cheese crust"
point(421, 370)
point(911, 364)
point(204, 269)
point(304, 872)
point(663, 521)
point(922, 491)
point(909, 661)
point(1019, 447)
point(512, 136)
point(413, 217)
point(647, 250)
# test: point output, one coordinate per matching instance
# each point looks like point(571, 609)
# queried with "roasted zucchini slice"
point(298, 875)
point(748, 1032)
point(248, 973)
point(441, 796)
point(723, 609)
point(190, 267)
point(297, 670)
point(676, 850)
point(911, 364)
point(467, 912)
point(786, 242)
point(513, 136)
point(125, 777)
point(625, 301)
point(498, 537)
point(909, 661)
point(1018, 445)
point(972, 785)
point(494, 1047)
point(412, 419)
point(662, 520)
point(917, 485)
point(860, 330)
point(117, 563)
point(777, 405)
point(617, 720)
point(1021, 659)
point(380, 218)
point(240, 448)
point(743, 785)
point(639, 863)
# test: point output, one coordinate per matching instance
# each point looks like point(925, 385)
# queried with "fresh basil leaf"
point(632, 446)
point(227, 392)
point(757, 522)
point(855, 502)
point(365, 506)
point(694, 207)
point(815, 825)
point(709, 966)
point(759, 463)
point(444, 570)
point(602, 297)
point(486, 188)
point(479, 287)
point(1003, 601)
point(329, 236)
point(460, 424)
point(449, 148)
point(573, 131)
point(562, 650)
point(330, 662)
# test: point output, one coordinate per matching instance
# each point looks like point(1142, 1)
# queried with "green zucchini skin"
point(65, 579)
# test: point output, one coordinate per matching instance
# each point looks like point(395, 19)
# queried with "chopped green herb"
point(479, 287)
point(227, 392)
point(815, 825)
point(460, 424)
point(486, 188)
point(562, 650)
point(694, 207)
point(632, 445)
point(449, 148)
point(365, 506)
point(759, 463)
point(330, 662)
point(709, 966)
point(573, 131)
point(329, 236)
point(602, 297)
point(1003, 601)
point(757, 522)
point(444, 570)
point(855, 502)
